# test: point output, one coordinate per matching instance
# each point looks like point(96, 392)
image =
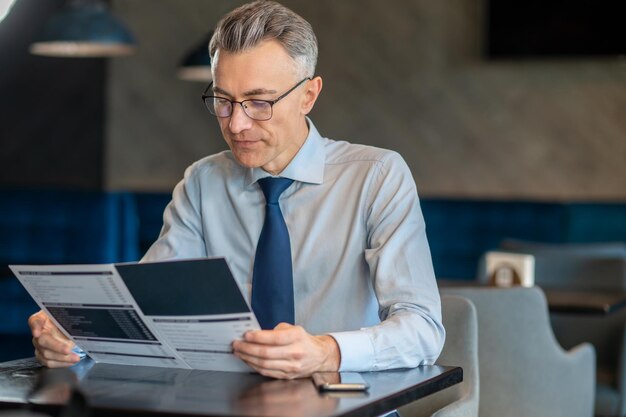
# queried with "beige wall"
point(405, 75)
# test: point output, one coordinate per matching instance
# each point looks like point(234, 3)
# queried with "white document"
point(177, 314)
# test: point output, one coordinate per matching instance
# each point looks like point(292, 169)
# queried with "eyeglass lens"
point(255, 109)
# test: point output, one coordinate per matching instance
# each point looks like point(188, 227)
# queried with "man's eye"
point(257, 104)
point(221, 101)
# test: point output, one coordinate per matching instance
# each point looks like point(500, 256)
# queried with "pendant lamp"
point(84, 28)
point(196, 65)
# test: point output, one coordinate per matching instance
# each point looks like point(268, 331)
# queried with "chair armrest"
point(464, 407)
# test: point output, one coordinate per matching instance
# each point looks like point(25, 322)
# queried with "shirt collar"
point(306, 166)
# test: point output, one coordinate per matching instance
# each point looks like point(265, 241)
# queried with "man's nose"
point(239, 120)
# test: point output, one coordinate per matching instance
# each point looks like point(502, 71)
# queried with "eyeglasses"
point(255, 109)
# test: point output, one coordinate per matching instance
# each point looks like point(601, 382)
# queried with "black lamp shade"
point(84, 29)
point(196, 66)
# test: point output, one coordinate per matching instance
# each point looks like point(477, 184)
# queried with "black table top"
point(133, 390)
point(562, 300)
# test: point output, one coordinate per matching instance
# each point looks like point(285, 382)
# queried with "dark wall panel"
point(408, 75)
point(51, 109)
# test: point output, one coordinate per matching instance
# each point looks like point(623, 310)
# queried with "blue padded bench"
point(595, 222)
point(94, 227)
point(57, 227)
point(150, 208)
point(460, 231)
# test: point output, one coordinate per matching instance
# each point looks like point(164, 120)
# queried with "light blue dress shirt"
point(362, 269)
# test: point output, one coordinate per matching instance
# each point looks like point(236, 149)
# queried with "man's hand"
point(52, 348)
point(288, 352)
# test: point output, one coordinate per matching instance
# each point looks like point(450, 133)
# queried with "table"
point(133, 390)
point(561, 300)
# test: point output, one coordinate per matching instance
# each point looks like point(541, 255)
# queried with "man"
point(357, 278)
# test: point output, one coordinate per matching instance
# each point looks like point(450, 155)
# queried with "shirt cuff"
point(357, 351)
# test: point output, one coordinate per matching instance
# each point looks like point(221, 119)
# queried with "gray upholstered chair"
point(460, 349)
point(588, 267)
point(523, 370)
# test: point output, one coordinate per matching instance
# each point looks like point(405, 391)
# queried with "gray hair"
point(248, 25)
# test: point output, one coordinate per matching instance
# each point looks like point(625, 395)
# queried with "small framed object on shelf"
point(506, 269)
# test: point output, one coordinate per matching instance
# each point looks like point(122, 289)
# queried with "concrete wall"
point(406, 75)
point(51, 109)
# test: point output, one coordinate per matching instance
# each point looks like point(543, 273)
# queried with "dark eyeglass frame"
point(241, 103)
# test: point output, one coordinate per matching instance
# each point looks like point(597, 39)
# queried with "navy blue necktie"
point(272, 278)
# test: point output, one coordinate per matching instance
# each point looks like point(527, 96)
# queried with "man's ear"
point(312, 92)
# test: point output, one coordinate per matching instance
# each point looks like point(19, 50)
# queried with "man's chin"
point(248, 161)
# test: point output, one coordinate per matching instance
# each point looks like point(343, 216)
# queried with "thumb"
point(283, 326)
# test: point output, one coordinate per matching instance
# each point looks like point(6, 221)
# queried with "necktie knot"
point(273, 187)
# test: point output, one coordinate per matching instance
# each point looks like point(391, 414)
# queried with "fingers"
point(278, 353)
point(55, 360)
point(36, 323)
point(54, 352)
point(52, 348)
point(276, 373)
point(277, 370)
point(290, 352)
point(282, 334)
point(52, 342)
point(270, 367)
point(300, 358)
point(282, 342)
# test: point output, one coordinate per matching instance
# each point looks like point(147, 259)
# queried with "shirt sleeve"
point(411, 332)
point(181, 235)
